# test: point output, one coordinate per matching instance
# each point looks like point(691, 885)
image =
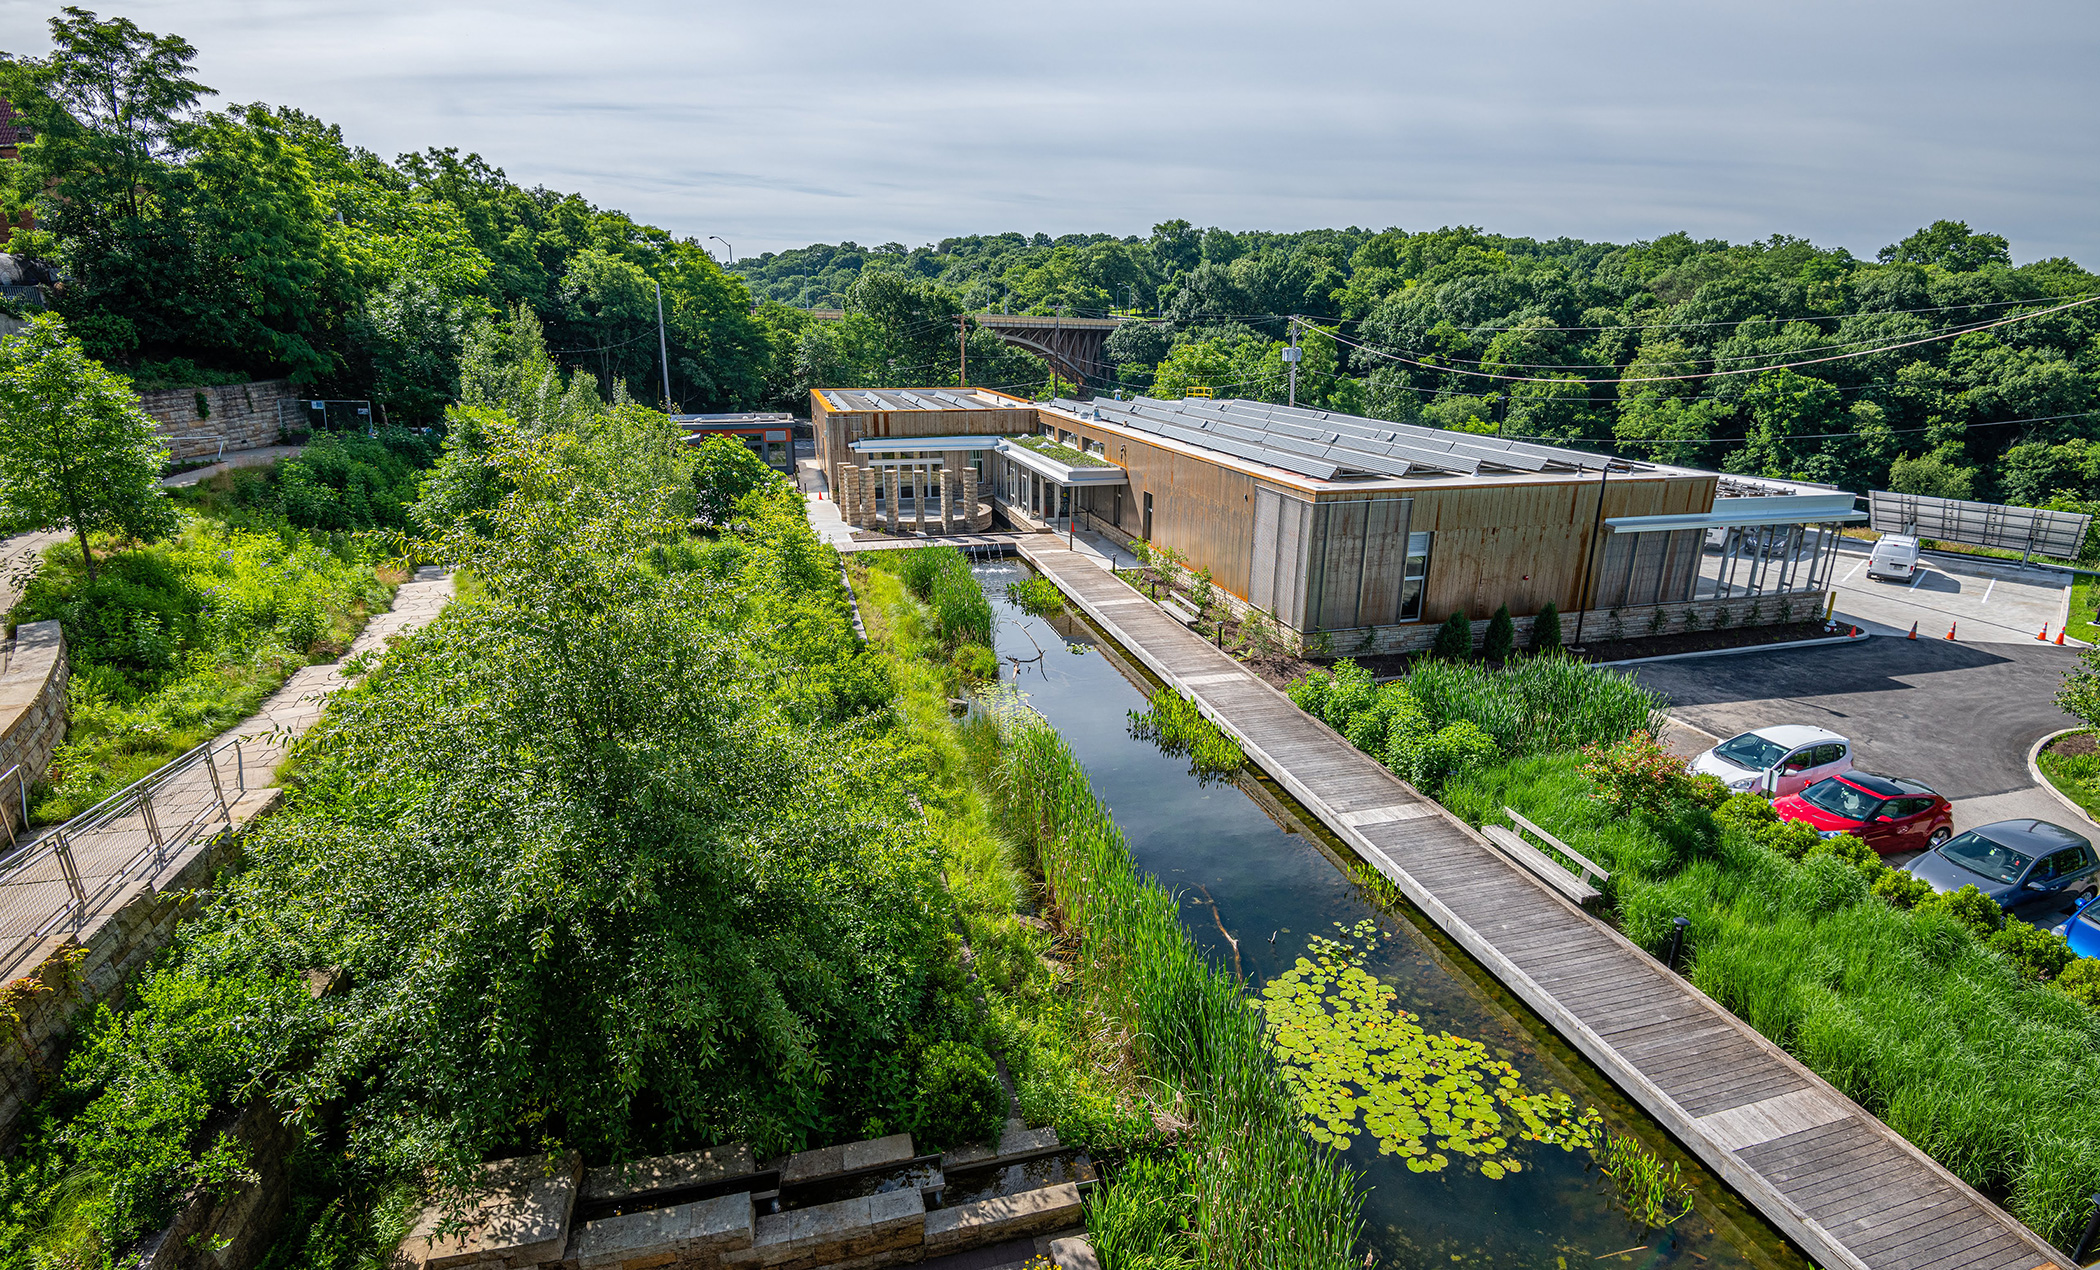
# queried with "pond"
point(1259, 879)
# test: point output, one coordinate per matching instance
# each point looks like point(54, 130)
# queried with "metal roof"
point(1743, 513)
point(1324, 445)
point(859, 399)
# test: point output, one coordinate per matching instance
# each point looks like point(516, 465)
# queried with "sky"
point(771, 126)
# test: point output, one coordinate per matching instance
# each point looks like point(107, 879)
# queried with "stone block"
point(666, 1173)
point(895, 1149)
point(697, 1232)
point(988, 1221)
point(1074, 1252)
point(805, 1166)
point(520, 1217)
point(1019, 1139)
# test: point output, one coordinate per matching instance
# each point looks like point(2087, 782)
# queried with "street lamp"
point(726, 247)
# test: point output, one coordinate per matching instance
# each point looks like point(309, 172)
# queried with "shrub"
point(1407, 730)
point(1745, 812)
point(1501, 642)
point(1637, 774)
point(1901, 889)
point(941, 576)
point(1350, 692)
point(2036, 954)
point(960, 1098)
point(1852, 851)
point(1454, 639)
point(1456, 747)
point(1793, 839)
point(1705, 791)
point(975, 662)
point(2082, 980)
point(1310, 693)
point(1545, 629)
point(1968, 906)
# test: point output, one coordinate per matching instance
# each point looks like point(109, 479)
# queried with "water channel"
point(1258, 877)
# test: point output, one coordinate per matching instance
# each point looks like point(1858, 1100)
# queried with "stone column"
point(969, 497)
point(891, 492)
point(918, 497)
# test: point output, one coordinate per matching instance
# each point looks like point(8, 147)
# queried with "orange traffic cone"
point(1855, 632)
point(2043, 635)
point(1913, 631)
point(1950, 629)
point(2059, 638)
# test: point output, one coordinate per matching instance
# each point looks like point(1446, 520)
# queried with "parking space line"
point(1987, 590)
point(1916, 580)
point(1855, 569)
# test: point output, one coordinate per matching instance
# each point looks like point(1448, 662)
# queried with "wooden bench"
point(1176, 610)
point(1569, 882)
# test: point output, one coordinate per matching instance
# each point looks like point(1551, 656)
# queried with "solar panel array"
point(2023, 529)
point(859, 399)
point(1324, 445)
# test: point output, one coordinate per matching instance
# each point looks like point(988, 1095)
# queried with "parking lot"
point(1981, 601)
point(1958, 715)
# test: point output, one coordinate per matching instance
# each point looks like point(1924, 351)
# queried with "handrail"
point(21, 775)
point(110, 842)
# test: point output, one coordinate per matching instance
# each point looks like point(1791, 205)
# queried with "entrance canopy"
point(1743, 513)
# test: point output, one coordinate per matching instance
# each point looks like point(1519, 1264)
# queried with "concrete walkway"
point(186, 807)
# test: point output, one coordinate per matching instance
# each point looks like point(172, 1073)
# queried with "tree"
point(727, 471)
point(1545, 629)
point(1934, 474)
point(75, 449)
point(1501, 642)
point(1454, 639)
point(1950, 245)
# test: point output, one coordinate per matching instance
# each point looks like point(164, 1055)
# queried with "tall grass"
point(1909, 1013)
point(1537, 704)
point(1178, 728)
point(1260, 1194)
point(941, 576)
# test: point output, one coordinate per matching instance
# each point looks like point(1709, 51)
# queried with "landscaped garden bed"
point(1976, 1038)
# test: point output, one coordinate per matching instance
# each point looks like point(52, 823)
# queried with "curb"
point(1747, 648)
point(2034, 770)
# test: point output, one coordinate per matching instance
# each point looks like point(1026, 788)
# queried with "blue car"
point(2083, 928)
point(2025, 865)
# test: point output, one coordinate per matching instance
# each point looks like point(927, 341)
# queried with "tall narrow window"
point(1415, 578)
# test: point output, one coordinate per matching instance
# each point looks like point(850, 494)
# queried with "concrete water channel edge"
point(1849, 1190)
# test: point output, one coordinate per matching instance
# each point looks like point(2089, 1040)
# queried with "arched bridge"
point(1074, 347)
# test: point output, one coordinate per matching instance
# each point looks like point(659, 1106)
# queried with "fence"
point(63, 879)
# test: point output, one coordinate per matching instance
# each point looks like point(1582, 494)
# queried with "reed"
point(1262, 1195)
point(1178, 728)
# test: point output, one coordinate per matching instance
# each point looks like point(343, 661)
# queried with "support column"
point(969, 496)
point(890, 494)
point(918, 496)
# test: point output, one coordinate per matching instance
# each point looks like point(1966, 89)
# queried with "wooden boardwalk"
point(1847, 1188)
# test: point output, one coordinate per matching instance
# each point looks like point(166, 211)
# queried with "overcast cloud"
point(775, 125)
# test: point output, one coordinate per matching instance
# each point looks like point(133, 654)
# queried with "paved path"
point(187, 806)
point(1843, 1185)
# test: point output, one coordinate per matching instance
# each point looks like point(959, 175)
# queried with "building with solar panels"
point(1365, 531)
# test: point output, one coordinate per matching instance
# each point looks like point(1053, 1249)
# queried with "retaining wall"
point(194, 421)
point(32, 710)
point(77, 973)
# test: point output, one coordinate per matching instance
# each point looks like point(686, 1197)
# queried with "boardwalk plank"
point(1874, 1197)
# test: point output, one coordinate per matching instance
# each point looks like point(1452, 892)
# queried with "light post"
point(731, 258)
point(663, 346)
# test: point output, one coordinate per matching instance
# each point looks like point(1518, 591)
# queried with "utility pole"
point(1290, 357)
point(962, 347)
point(663, 346)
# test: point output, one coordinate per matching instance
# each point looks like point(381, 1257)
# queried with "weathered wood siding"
point(836, 430)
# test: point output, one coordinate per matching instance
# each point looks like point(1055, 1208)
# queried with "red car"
point(1890, 815)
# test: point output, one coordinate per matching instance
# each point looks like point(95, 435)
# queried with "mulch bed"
point(2075, 745)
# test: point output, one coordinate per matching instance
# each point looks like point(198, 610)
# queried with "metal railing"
point(20, 776)
point(67, 876)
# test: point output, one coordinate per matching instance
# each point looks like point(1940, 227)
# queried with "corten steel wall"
point(242, 416)
point(32, 709)
point(1515, 541)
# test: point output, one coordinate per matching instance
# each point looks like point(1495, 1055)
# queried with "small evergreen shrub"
point(1501, 643)
point(1852, 851)
point(1901, 889)
point(2082, 980)
point(1969, 907)
point(1746, 812)
point(1545, 629)
point(1454, 639)
point(960, 1098)
point(2036, 954)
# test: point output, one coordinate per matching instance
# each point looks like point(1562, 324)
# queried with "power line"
point(1952, 333)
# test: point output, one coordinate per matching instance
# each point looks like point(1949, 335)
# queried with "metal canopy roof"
point(1744, 513)
point(897, 445)
point(1062, 473)
point(862, 399)
point(1323, 445)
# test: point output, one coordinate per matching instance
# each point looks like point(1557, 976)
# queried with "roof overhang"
point(1743, 513)
point(895, 445)
point(1045, 466)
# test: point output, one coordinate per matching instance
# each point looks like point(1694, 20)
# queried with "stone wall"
point(32, 711)
point(77, 973)
point(194, 421)
point(231, 1234)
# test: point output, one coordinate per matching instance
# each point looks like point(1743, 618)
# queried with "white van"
point(1895, 558)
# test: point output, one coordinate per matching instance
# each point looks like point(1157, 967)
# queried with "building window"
point(1415, 578)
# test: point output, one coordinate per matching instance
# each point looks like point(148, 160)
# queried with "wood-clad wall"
point(837, 430)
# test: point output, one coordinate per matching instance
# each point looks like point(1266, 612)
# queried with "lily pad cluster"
point(1356, 1063)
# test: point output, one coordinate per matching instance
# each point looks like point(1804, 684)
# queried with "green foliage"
point(2079, 696)
point(1258, 1191)
point(960, 1099)
point(1545, 629)
point(75, 448)
point(724, 471)
point(1853, 851)
point(2035, 953)
point(1177, 727)
point(175, 642)
point(1501, 642)
point(340, 482)
point(1637, 774)
point(1346, 1052)
point(1454, 639)
point(2081, 979)
point(1433, 758)
point(1537, 703)
point(1975, 911)
point(941, 577)
point(1036, 594)
point(1655, 1196)
point(1901, 889)
point(1911, 1012)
